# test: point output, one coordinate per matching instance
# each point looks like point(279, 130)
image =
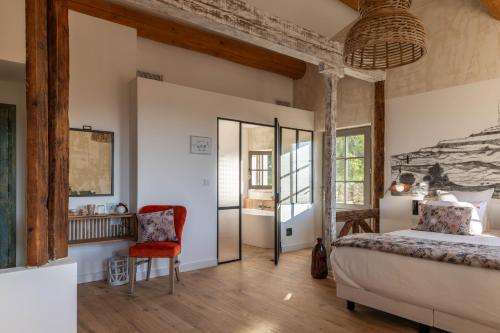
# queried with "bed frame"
point(427, 318)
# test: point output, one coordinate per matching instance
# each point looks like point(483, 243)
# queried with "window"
point(353, 150)
point(296, 172)
point(261, 170)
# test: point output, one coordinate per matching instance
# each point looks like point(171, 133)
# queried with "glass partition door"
point(229, 189)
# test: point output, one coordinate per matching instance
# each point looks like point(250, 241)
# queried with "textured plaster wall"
point(355, 99)
point(463, 47)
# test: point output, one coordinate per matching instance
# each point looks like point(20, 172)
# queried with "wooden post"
point(329, 160)
point(58, 125)
point(37, 132)
point(378, 144)
point(47, 78)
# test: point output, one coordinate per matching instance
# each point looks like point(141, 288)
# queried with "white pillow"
point(476, 225)
point(480, 199)
point(466, 196)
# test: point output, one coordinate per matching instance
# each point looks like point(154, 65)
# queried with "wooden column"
point(47, 129)
point(37, 132)
point(329, 160)
point(58, 122)
point(378, 144)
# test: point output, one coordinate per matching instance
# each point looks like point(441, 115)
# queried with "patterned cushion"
point(158, 226)
point(445, 219)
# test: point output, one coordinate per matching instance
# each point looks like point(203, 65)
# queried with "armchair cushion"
point(155, 250)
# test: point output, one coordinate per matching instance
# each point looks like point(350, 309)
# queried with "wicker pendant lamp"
point(386, 36)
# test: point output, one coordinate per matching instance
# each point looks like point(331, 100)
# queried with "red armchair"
point(151, 250)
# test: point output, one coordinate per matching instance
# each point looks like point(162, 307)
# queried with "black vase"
point(319, 266)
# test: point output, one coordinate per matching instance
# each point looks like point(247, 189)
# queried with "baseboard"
point(161, 270)
point(297, 247)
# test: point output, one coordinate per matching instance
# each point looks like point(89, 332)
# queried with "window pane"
point(355, 194)
point(340, 192)
point(255, 178)
point(356, 146)
point(304, 150)
point(304, 168)
point(340, 147)
point(288, 143)
point(304, 185)
point(229, 163)
point(340, 170)
point(356, 169)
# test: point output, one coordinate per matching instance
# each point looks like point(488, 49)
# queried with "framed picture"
point(91, 163)
point(201, 145)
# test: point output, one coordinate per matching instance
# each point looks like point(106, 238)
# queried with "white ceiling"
point(326, 17)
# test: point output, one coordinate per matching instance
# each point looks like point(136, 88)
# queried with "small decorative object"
point(110, 208)
point(101, 209)
point(121, 208)
point(319, 266)
point(117, 271)
point(72, 212)
point(90, 210)
point(386, 36)
point(201, 145)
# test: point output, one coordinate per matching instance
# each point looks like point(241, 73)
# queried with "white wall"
point(198, 70)
point(15, 93)
point(12, 31)
point(421, 120)
point(39, 300)
point(102, 63)
point(167, 174)
point(326, 17)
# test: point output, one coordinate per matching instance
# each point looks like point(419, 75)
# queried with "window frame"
point(353, 131)
point(294, 163)
point(259, 171)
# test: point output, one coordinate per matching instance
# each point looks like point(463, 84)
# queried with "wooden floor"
point(242, 297)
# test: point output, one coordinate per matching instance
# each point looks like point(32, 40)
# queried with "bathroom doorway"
point(248, 223)
point(264, 188)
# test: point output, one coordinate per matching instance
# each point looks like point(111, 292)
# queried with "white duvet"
point(468, 292)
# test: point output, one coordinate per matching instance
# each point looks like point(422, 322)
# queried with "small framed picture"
point(201, 145)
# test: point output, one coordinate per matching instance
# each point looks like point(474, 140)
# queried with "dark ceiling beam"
point(352, 3)
point(191, 38)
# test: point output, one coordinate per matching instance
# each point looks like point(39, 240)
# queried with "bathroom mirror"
point(90, 163)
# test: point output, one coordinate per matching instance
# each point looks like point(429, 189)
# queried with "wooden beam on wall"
point(493, 7)
point(188, 37)
point(354, 4)
point(58, 127)
point(378, 144)
point(37, 132)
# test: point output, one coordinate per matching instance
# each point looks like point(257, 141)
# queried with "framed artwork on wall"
point(91, 163)
point(201, 145)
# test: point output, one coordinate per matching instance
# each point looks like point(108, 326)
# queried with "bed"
point(455, 298)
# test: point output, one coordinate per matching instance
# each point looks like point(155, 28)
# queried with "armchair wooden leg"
point(131, 272)
point(171, 274)
point(149, 268)
point(177, 264)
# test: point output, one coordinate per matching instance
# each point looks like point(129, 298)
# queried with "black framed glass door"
point(277, 191)
point(228, 190)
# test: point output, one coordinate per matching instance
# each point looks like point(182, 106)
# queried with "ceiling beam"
point(352, 3)
point(237, 19)
point(493, 7)
point(181, 35)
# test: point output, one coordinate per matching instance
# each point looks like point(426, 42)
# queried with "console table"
point(101, 228)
